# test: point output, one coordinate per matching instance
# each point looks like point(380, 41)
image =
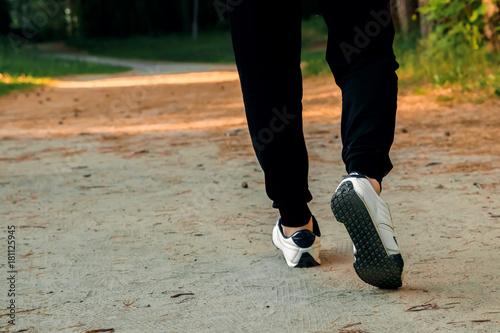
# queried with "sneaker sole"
point(372, 263)
point(306, 260)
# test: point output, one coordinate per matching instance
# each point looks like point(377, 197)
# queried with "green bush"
point(455, 50)
point(456, 23)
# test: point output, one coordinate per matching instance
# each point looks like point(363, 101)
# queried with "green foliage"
point(314, 30)
point(472, 69)
point(314, 37)
point(314, 64)
point(497, 91)
point(455, 50)
point(456, 23)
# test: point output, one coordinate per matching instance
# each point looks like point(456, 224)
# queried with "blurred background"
point(439, 42)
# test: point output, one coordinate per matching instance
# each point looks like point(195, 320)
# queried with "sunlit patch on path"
point(147, 80)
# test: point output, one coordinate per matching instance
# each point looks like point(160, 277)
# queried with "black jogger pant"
point(266, 38)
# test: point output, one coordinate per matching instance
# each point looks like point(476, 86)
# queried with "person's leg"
point(362, 60)
point(360, 55)
point(266, 40)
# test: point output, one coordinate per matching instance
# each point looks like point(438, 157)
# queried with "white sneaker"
point(368, 221)
point(300, 249)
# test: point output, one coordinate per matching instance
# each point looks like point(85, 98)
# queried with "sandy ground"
point(131, 212)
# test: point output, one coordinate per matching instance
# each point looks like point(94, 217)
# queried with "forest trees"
point(446, 23)
point(62, 19)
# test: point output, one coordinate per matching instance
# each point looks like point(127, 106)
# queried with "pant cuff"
point(372, 167)
point(295, 216)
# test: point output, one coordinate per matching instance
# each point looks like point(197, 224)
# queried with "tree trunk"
point(491, 21)
point(147, 17)
point(406, 9)
point(404, 15)
point(77, 11)
point(185, 16)
point(4, 17)
point(195, 19)
point(425, 26)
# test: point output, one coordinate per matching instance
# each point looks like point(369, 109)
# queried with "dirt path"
point(127, 197)
point(145, 67)
point(139, 67)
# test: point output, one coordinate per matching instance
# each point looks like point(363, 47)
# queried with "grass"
point(213, 47)
point(9, 83)
point(24, 70)
point(459, 64)
point(314, 37)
